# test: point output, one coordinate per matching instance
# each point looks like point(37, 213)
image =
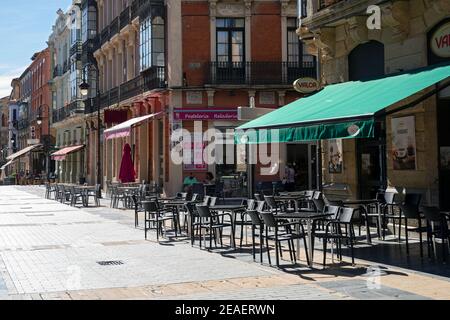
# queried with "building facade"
point(67, 106)
point(193, 60)
point(409, 37)
point(4, 129)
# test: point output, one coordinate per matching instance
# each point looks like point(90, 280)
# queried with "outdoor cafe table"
point(363, 204)
point(309, 218)
point(232, 209)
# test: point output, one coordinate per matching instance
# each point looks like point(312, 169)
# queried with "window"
point(230, 40)
point(88, 23)
point(74, 79)
point(74, 30)
point(296, 50)
point(152, 43)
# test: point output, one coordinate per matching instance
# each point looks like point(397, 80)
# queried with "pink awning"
point(124, 129)
point(61, 154)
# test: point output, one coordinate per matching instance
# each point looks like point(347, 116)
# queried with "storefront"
point(439, 52)
point(355, 114)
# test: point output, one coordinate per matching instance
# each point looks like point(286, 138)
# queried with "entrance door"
point(371, 161)
point(443, 111)
point(300, 157)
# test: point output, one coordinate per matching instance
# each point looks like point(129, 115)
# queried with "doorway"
point(302, 157)
point(371, 153)
point(443, 114)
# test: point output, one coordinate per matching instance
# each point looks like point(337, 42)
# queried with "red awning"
point(61, 154)
point(124, 129)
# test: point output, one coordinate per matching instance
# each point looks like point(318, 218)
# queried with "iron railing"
point(125, 17)
point(57, 71)
point(67, 111)
point(104, 36)
point(259, 73)
point(114, 27)
point(76, 49)
point(151, 79)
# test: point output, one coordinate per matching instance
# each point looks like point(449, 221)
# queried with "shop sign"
point(353, 130)
point(440, 41)
point(306, 85)
point(205, 114)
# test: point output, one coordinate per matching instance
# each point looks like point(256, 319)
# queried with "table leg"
point(368, 237)
point(310, 242)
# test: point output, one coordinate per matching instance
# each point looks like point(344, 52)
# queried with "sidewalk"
point(50, 251)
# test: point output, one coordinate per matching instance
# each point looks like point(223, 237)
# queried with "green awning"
point(344, 110)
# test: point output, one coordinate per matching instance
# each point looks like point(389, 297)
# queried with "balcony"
point(125, 17)
point(76, 49)
point(66, 66)
point(131, 88)
point(67, 111)
point(154, 78)
point(151, 79)
point(134, 9)
point(104, 36)
point(114, 27)
point(259, 73)
point(57, 71)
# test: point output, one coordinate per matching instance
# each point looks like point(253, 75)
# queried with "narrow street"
point(53, 251)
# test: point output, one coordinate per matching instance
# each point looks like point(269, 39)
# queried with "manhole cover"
point(110, 263)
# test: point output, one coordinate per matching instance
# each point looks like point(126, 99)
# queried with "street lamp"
point(84, 90)
point(46, 142)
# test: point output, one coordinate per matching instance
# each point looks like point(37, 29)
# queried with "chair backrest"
point(433, 214)
point(334, 210)
point(203, 211)
point(150, 206)
point(346, 214)
point(337, 203)
point(251, 204)
point(319, 204)
point(412, 199)
point(309, 193)
point(194, 197)
point(212, 201)
point(317, 195)
point(410, 211)
point(260, 205)
point(270, 200)
point(259, 197)
point(269, 219)
point(254, 217)
point(206, 200)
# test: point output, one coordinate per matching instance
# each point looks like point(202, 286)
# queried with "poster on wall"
point(445, 157)
point(335, 160)
point(404, 143)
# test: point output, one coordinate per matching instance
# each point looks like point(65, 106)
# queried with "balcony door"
point(230, 65)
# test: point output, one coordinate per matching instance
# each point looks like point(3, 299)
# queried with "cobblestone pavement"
point(52, 251)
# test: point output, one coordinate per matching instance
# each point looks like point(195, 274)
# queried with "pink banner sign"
point(205, 114)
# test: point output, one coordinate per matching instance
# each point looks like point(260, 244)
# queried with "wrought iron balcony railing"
point(114, 27)
point(150, 79)
point(76, 49)
point(259, 73)
point(125, 17)
point(57, 71)
point(104, 36)
point(65, 112)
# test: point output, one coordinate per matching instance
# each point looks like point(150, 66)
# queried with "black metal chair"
point(75, 195)
point(437, 227)
point(259, 197)
point(409, 209)
point(50, 190)
point(279, 237)
point(211, 223)
point(257, 222)
point(334, 231)
point(242, 221)
point(155, 217)
point(94, 194)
